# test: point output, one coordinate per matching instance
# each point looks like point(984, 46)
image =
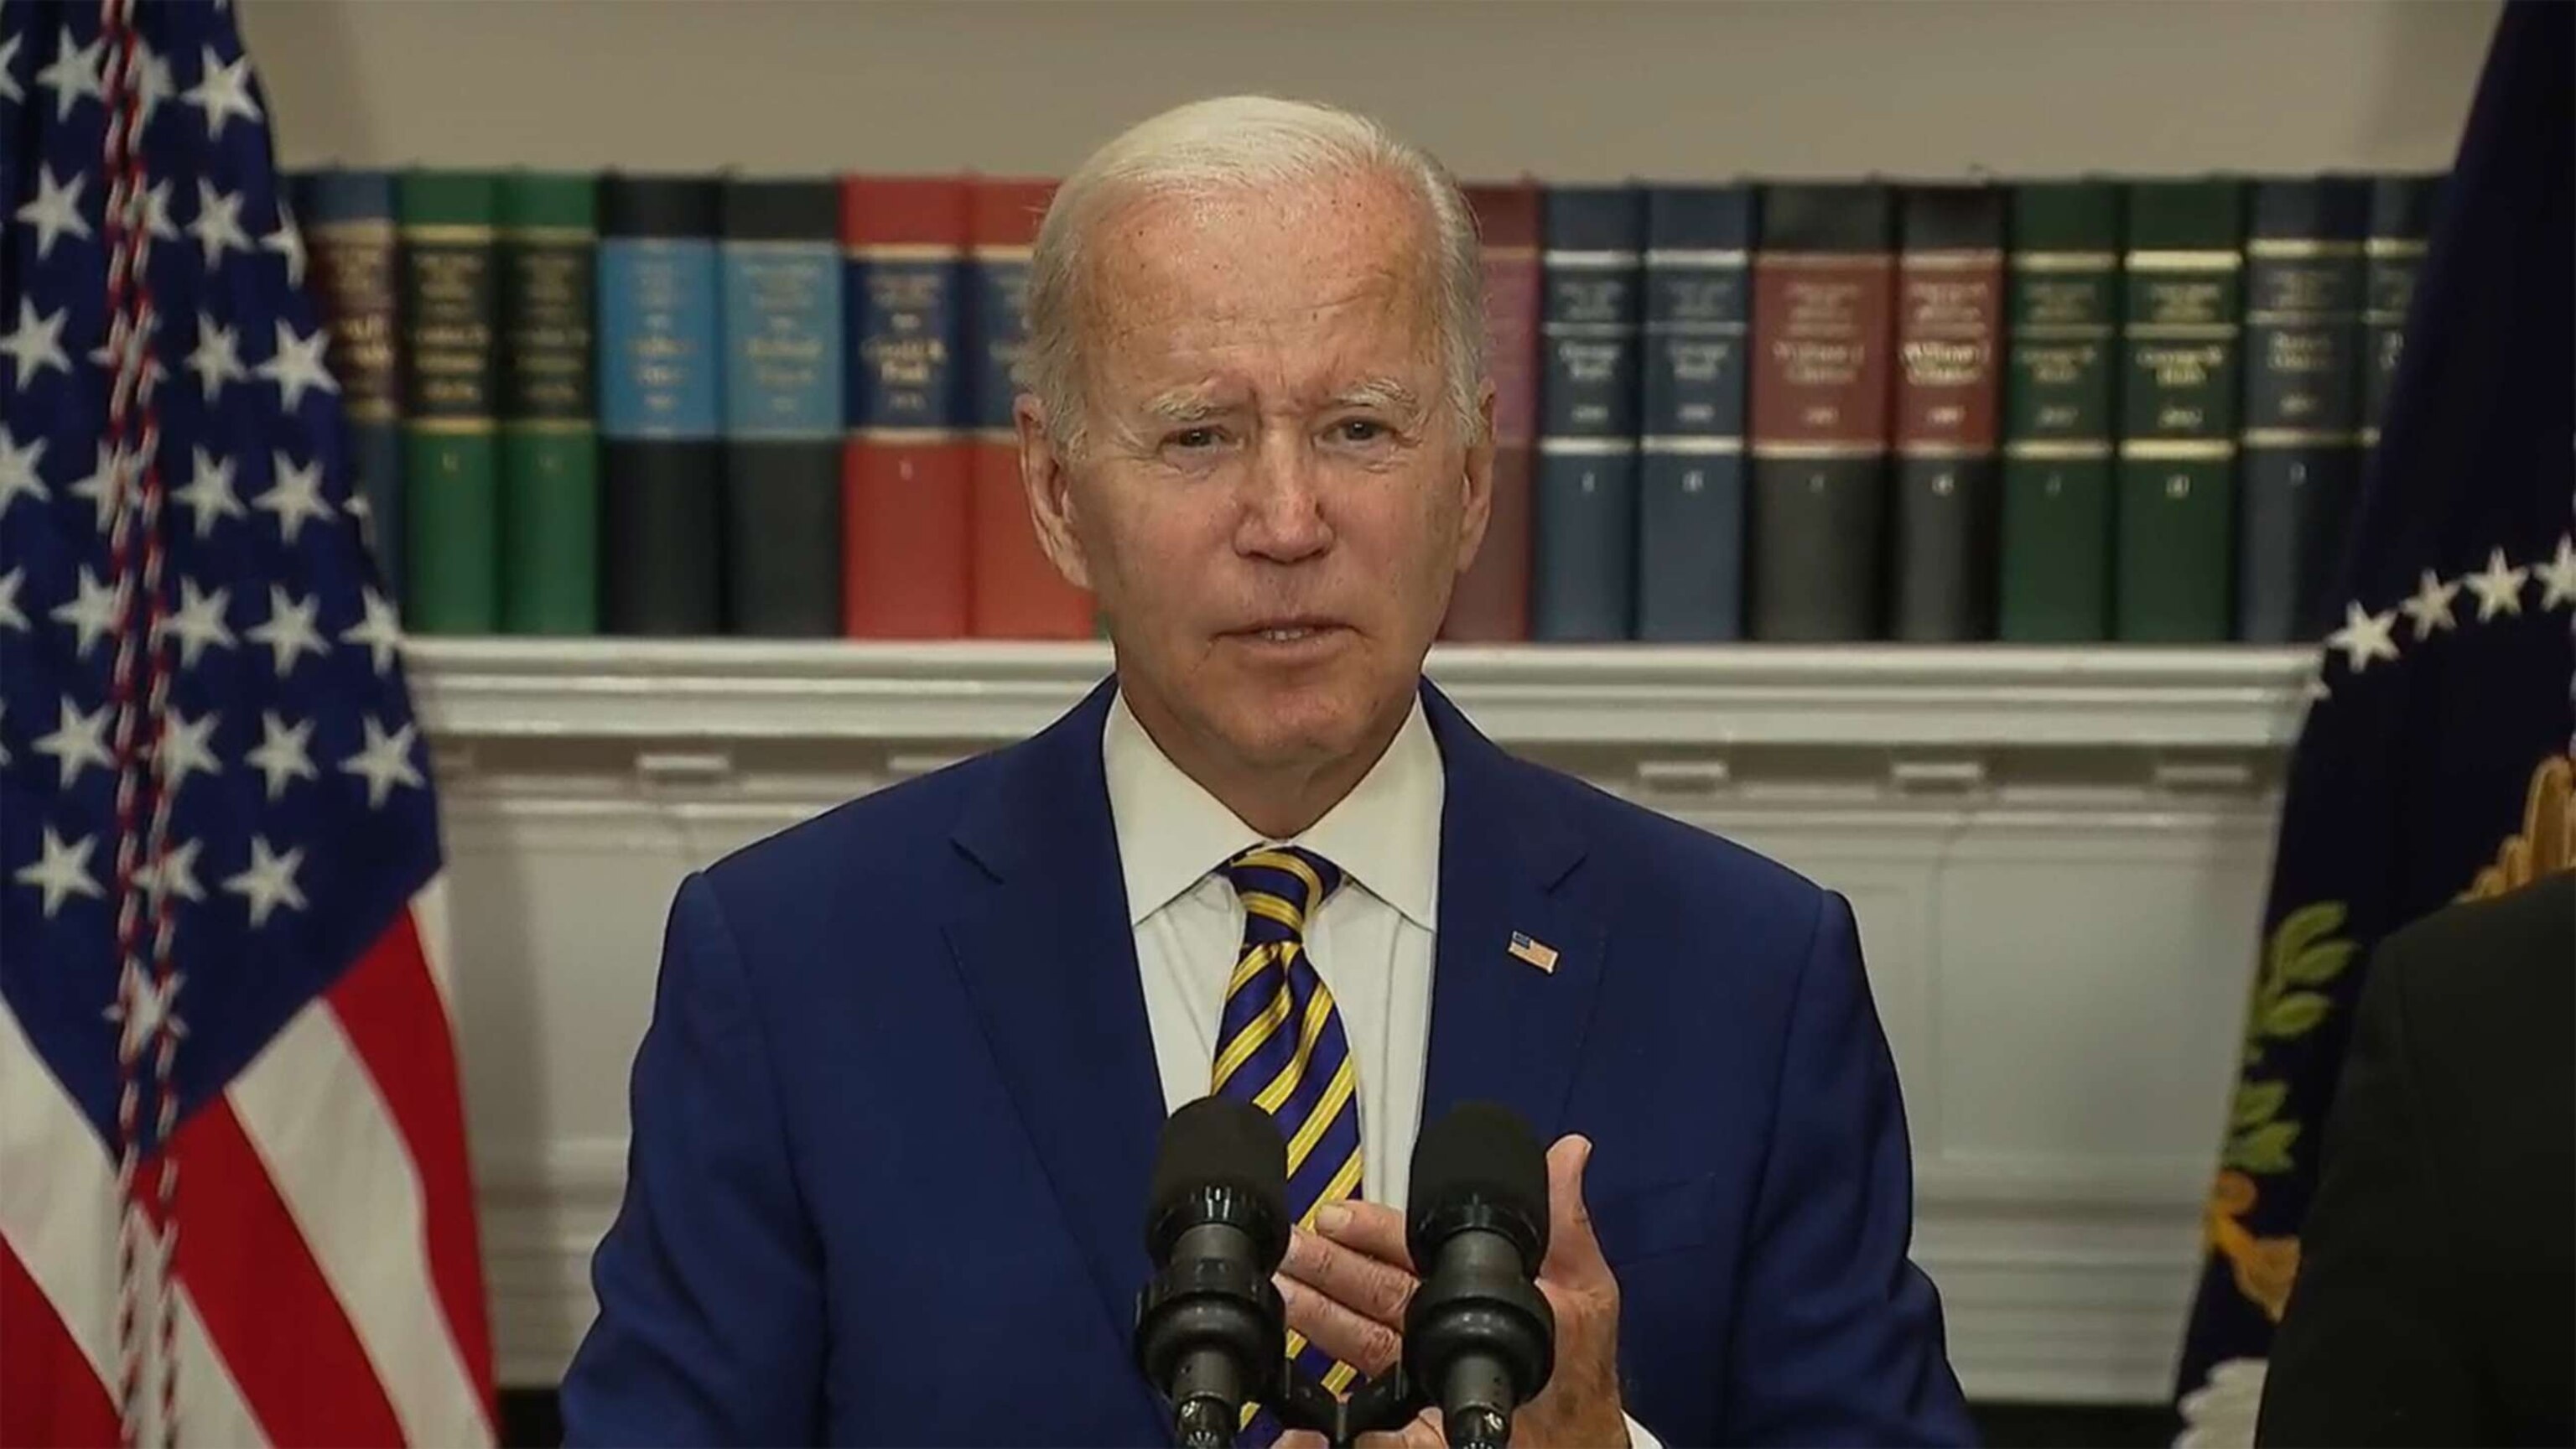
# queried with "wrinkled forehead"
point(1306, 282)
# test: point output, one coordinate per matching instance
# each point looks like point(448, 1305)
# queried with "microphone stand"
point(1382, 1404)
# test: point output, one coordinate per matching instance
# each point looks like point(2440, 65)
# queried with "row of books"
point(2032, 410)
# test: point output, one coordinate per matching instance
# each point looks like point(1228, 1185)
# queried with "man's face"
point(1274, 498)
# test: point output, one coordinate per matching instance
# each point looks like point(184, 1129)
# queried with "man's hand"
point(1347, 1284)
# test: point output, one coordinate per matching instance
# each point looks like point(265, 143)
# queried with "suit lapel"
point(1050, 963)
point(1503, 1028)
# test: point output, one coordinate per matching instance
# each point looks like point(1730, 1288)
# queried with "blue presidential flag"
point(2435, 761)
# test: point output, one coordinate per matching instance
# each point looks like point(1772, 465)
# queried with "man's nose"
point(1283, 509)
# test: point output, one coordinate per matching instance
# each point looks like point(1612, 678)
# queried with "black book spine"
point(1823, 298)
point(783, 390)
point(2301, 460)
point(1949, 480)
point(661, 417)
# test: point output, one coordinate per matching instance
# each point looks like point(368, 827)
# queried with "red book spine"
point(905, 471)
point(1018, 594)
point(1491, 603)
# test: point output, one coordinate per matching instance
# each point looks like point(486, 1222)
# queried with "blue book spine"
point(1583, 578)
point(347, 219)
point(658, 339)
point(1690, 503)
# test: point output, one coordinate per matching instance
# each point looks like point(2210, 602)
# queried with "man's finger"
point(1573, 1254)
point(1363, 1343)
point(1373, 1228)
point(1421, 1432)
point(1375, 1288)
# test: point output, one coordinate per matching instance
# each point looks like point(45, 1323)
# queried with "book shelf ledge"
point(2233, 698)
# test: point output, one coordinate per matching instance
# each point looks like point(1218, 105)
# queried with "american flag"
point(234, 1197)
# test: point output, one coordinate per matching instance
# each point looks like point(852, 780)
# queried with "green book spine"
point(550, 451)
point(2062, 309)
point(2174, 558)
point(451, 447)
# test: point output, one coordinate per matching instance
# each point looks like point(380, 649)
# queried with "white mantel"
point(2057, 856)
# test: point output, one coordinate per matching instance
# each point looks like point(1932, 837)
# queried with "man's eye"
point(1360, 430)
point(1193, 438)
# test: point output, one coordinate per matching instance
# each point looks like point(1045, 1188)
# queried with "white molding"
point(973, 692)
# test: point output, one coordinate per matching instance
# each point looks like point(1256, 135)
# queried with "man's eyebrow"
point(1377, 392)
point(1185, 405)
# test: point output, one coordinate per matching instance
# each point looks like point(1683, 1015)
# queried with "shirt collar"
point(1385, 834)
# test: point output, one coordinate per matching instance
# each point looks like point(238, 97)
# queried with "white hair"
point(1229, 144)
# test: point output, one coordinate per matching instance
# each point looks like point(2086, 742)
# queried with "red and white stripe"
point(327, 1283)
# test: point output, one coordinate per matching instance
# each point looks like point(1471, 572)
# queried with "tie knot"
point(1293, 876)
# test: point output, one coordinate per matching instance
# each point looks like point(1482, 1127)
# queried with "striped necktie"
point(1280, 1047)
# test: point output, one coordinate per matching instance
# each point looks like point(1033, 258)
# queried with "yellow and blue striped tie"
point(1280, 1047)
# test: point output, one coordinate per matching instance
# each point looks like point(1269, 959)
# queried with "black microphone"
point(1479, 1339)
point(1210, 1331)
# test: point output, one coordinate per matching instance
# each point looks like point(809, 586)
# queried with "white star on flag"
point(295, 496)
point(37, 343)
point(199, 621)
point(9, 71)
point(10, 617)
point(154, 1008)
point(56, 211)
point(282, 755)
point(2364, 637)
point(156, 211)
point(2430, 608)
point(18, 470)
point(209, 493)
point(79, 741)
point(216, 359)
point(110, 353)
point(218, 225)
point(288, 242)
point(175, 872)
point(380, 630)
point(62, 870)
point(297, 366)
point(269, 882)
point(2558, 576)
point(101, 488)
point(289, 632)
point(223, 93)
point(184, 749)
point(385, 762)
point(73, 74)
point(92, 613)
point(157, 85)
point(2499, 589)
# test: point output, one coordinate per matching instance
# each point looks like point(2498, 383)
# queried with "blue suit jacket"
point(897, 1107)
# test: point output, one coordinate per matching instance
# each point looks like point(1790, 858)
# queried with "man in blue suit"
point(897, 1107)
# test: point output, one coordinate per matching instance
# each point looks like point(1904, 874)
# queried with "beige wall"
point(1563, 88)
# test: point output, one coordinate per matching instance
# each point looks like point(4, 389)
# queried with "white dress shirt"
point(1371, 943)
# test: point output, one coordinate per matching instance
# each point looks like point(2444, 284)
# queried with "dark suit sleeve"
point(710, 1326)
point(2367, 1351)
point(1840, 1338)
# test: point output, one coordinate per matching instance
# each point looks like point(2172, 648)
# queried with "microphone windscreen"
point(1221, 1142)
point(1481, 1155)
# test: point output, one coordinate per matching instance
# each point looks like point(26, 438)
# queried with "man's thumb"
point(1571, 1246)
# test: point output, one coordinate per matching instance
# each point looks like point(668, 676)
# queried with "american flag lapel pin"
point(1536, 953)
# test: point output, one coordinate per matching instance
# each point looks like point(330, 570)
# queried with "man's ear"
point(1047, 480)
point(1477, 498)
